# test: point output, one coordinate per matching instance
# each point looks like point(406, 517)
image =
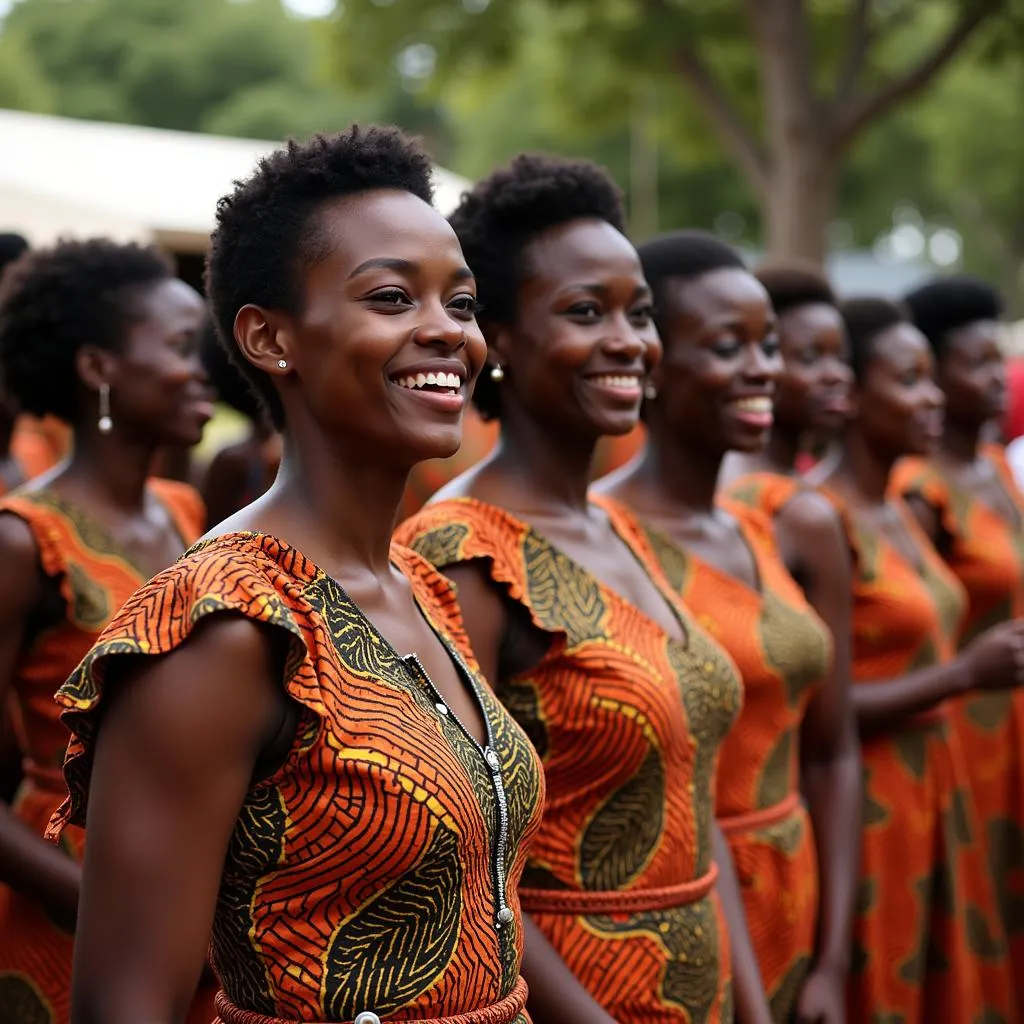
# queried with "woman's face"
point(158, 388)
point(899, 407)
point(717, 379)
point(386, 348)
point(972, 374)
point(813, 391)
point(584, 340)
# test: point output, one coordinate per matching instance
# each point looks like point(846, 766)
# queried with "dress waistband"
point(575, 901)
point(735, 824)
point(504, 1011)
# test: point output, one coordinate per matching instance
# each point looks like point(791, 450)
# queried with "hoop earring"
point(105, 424)
point(497, 373)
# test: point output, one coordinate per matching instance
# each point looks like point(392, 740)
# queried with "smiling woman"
point(621, 691)
point(312, 767)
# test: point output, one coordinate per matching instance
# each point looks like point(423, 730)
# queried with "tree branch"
point(859, 114)
point(731, 127)
point(860, 35)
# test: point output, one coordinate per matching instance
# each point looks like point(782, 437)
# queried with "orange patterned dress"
point(986, 552)
point(377, 869)
point(628, 723)
point(927, 940)
point(783, 651)
point(90, 578)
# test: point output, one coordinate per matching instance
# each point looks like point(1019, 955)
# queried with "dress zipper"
point(491, 761)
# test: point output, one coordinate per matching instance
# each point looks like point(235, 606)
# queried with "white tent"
point(60, 176)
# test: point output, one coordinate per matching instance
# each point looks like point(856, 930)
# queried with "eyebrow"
point(402, 267)
point(602, 290)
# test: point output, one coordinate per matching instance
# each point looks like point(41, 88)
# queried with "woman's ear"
point(263, 339)
point(96, 366)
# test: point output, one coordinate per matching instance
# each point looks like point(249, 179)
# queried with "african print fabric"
point(628, 723)
point(928, 945)
point(94, 578)
point(364, 874)
point(986, 552)
point(783, 651)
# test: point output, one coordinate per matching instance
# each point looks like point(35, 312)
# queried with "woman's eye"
point(390, 297)
point(770, 346)
point(910, 379)
point(725, 347)
point(466, 305)
point(589, 311)
point(641, 316)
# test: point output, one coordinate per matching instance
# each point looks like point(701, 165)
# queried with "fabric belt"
point(504, 1011)
point(575, 901)
point(754, 820)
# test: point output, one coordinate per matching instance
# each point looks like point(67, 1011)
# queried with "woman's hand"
point(823, 997)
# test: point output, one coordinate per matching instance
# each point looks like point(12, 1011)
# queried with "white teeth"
point(610, 380)
point(759, 404)
point(440, 380)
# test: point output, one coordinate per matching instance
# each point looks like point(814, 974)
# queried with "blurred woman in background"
point(238, 473)
point(714, 393)
point(104, 337)
point(965, 498)
point(625, 697)
point(928, 945)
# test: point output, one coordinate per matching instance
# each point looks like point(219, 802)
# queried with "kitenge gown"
point(927, 940)
point(376, 870)
point(783, 652)
point(88, 579)
point(986, 552)
point(628, 723)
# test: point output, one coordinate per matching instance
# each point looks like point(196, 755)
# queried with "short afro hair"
point(11, 247)
point(225, 377)
point(866, 318)
point(683, 256)
point(791, 285)
point(266, 236)
point(55, 301)
point(946, 303)
point(505, 211)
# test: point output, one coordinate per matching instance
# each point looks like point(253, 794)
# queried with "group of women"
point(704, 740)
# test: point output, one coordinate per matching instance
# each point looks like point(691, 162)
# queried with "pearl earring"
point(650, 392)
point(283, 363)
point(105, 424)
point(497, 373)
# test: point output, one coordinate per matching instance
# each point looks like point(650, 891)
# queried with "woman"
point(927, 942)
point(622, 693)
point(239, 473)
point(103, 336)
point(811, 396)
point(312, 767)
point(714, 394)
point(964, 497)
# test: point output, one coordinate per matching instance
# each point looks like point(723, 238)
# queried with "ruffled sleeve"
point(235, 574)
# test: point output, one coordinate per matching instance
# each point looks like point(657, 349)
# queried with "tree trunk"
point(800, 202)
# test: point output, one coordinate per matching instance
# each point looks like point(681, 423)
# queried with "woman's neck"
point(551, 474)
point(112, 467)
point(862, 470)
point(675, 479)
point(960, 442)
point(340, 507)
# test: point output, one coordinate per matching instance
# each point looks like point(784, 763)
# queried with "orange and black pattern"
point(769, 492)
point(928, 946)
point(628, 723)
point(361, 875)
point(783, 652)
point(91, 578)
point(986, 552)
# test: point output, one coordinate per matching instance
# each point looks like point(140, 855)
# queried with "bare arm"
point(28, 863)
point(556, 994)
point(829, 749)
point(747, 984)
point(174, 758)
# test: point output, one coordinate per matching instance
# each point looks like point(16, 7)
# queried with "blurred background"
point(884, 135)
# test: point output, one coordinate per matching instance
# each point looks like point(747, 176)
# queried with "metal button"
point(491, 758)
point(504, 916)
point(367, 1017)
point(442, 709)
